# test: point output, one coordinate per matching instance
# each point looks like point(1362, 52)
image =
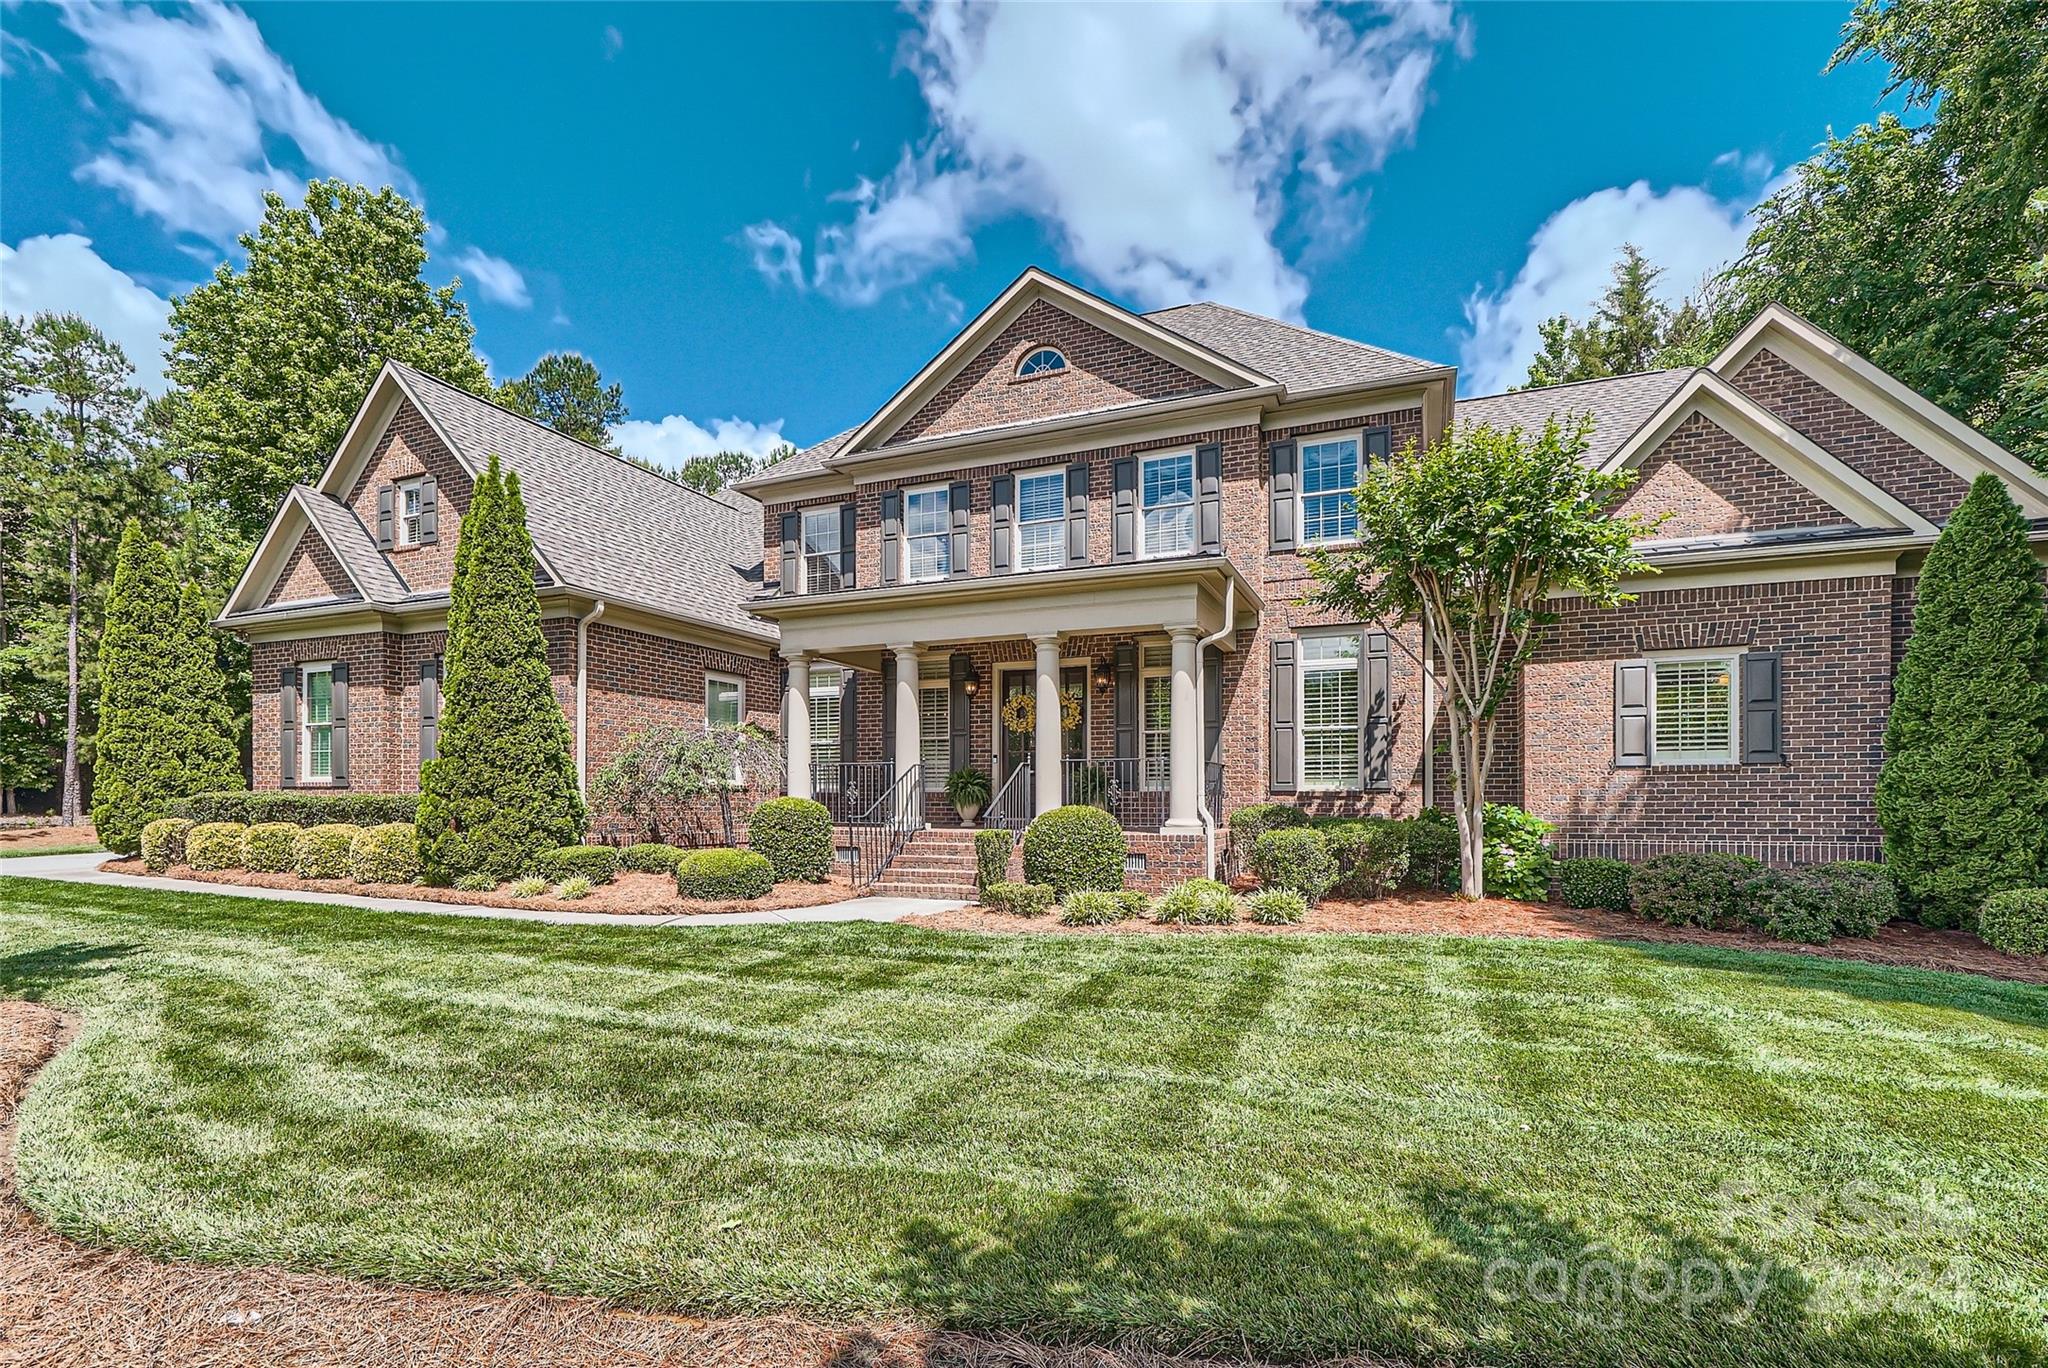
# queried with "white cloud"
point(497, 279)
point(777, 253)
point(63, 274)
point(1687, 230)
point(614, 41)
point(1171, 149)
point(675, 439)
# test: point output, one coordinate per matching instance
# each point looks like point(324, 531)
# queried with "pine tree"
point(502, 785)
point(1963, 796)
point(159, 737)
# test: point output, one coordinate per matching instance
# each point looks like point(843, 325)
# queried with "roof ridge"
point(1573, 384)
point(1297, 327)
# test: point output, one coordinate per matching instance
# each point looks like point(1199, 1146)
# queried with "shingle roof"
point(809, 459)
point(353, 545)
point(1619, 406)
point(1299, 358)
point(605, 525)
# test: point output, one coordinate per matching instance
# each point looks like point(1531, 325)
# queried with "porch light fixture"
point(1104, 677)
point(970, 683)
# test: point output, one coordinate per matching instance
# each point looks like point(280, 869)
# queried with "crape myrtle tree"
point(675, 765)
point(501, 787)
point(1963, 795)
point(1469, 538)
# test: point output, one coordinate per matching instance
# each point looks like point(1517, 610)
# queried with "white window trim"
point(1146, 672)
point(1301, 494)
point(1017, 523)
point(803, 556)
point(1301, 674)
point(1064, 366)
point(941, 487)
point(413, 484)
point(305, 775)
point(1732, 656)
point(1194, 500)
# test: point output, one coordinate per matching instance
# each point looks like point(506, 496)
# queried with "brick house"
point(1069, 551)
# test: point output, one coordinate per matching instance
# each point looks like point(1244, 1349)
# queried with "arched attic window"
point(1041, 361)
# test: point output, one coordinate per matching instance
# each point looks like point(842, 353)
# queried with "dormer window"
point(1041, 361)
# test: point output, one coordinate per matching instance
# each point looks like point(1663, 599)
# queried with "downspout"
point(1202, 693)
point(583, 696)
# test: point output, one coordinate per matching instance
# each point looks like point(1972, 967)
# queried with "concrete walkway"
point(85, 869)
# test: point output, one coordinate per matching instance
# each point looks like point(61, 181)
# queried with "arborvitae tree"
point(501, 787)
point(213, 756)
point(1963, 796)
point(158, 738)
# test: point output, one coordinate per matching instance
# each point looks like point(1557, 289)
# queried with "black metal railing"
point(1011, 806)
point(1121, 787)
point(1212, 792)
point(850, 789)
point(878, 834)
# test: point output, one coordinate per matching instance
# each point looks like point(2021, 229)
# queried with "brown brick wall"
point(1706, 480)
point(408, 448)
point(311, 572)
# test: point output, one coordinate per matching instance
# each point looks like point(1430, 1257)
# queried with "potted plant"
point(968, 788)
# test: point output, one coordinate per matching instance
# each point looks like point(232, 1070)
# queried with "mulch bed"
point(64, 1305)
point(37, 837)
point(652, 895)
point(1420, 914)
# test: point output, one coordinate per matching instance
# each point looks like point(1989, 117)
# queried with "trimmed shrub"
point(322, 852)
point(1861, 893)
point(267, 847)
point(599, 864)
point(1205, 902)
point(2016, 921)
point(163, 842)
point(1689, 889)
point(386, 854)
point(215, 845)
point(1594, 882)
point(651, 857)
point(476, 883)
point(1277, 907)
point(300, 807)
point(1102, 909)
point(1296, 858)
point(722, 875)
point(992, 856)
point(528, 887)
point(578, 887)
point(1518, 859)
point(1247, 824)
point(1075, 848)
point(1017, 899)
point(1432, 852)
point(1371, 855)
point(1791, 905)
point(795, 834)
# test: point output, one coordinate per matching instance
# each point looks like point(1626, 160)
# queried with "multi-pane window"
point(821, 551)
point(1042, 520)
point(316, 733)
point(409, 512)
point(1329, 711)
point(1329, 474)
point(1155, 717)
point(927, 528)
point(1042, 361)
point(826, 684)
point(1167, 501)
point(1693, 711)
point(934, 722)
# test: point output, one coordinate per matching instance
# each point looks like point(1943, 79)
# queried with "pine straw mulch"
point(39, 837)
point(1420, 914)
point(64, 1305)
point(651, 895)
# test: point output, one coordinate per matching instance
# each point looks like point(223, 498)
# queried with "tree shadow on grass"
point(31, 974)
point(1472, 1276)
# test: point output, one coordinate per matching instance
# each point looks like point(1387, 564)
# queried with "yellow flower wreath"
point(1020, 714)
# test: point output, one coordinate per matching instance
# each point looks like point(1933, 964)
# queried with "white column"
point(906, 716)
point(1184, 740)
point(1046, 753)
point(796, 723)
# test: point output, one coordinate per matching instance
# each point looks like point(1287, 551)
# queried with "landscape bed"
point(1291, 1145)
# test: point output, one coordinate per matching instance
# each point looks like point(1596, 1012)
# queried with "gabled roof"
point(1619, 406)
point(338, 526)
point(1302, 359)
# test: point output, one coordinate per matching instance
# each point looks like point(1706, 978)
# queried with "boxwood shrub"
point(1097, 908)
point(1075, 848)
point(2015, 921)
point(1792, 905)
point(299, 807)
point(1594, 882)
point(992, 856)
point(1247, 824)
point(1432, 852)
point(1296, 858)
point(795, 834)
point(214, 845)
point(1371, 854)
point(267, 847)
point(1692, 889)
point(1205, 902)
point(388, 853)
point(721, 875)
point(322, 852)
point(1861, 894)
point(163, 842)
point(597, 863)
point(1277, 907)
point(651, 857)
point(1017, 899)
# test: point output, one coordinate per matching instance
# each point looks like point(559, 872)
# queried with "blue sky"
point(762, 219)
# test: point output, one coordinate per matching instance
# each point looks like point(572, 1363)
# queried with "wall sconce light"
point(971, 683)
point(1104, 677)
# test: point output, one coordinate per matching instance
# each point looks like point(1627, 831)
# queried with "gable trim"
point(275, 550)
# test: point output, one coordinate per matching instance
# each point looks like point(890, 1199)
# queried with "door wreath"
point(1020, 713)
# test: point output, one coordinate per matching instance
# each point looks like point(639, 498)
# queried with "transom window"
point(1329, 474)
point(1329, 711)
point(934, 722)
point(1041, 361)
point(1042, 520)
point(409, 511)
point(1155, 717)
point(927, 528)
point(316, 731)
point(1167, 501)
point(1692, 711)
point(821, 551)
point(826, 684)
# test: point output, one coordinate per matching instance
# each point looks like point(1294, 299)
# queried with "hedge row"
point(299, 807)
point(384, 854)
point(1369, 857)
point(1720, 891)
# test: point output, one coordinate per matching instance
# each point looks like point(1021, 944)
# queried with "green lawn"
point(1508, 1152)
point(74, 848)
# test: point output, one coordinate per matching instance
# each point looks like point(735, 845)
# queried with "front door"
point(1017, 746)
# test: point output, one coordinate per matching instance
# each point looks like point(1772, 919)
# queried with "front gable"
point(311, 573)
point(407, 447)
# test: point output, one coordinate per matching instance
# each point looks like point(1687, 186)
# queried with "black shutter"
point(288, 726)
point(849, 542)
point(430, 707)
point(1209, 499)
point(1631, 713)
point(1280, 495)
point(1001, 522)
point(792, 576)
point(384, 497)
point(892, 537)
point(1285, 753)
point(849, 723)
point(1763, 736)
point(1375, 731)
point(1077, 513)
point(960, 718)
point(1212, 708)
point(889, 709)
point(338, 730)
point(1123, 508)
point(430, 512)
point(959, 557)
point(1126, 701)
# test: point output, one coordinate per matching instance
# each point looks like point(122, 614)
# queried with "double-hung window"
point(934, 722)
point(826, 684)
point(1329, 475)
point(1155, 717)
point(722, 701)
point(1167, 504)
point(1692, 711)
point(316, 729)
point(1042, 520)
point(1329, 711)
point(928, 528)
point(409, 495)
point(821, 551)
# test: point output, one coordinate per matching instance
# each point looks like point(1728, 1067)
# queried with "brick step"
point(948, 869)
point(889, 888)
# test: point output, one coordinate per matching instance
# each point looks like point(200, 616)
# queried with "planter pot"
point(969, 812)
